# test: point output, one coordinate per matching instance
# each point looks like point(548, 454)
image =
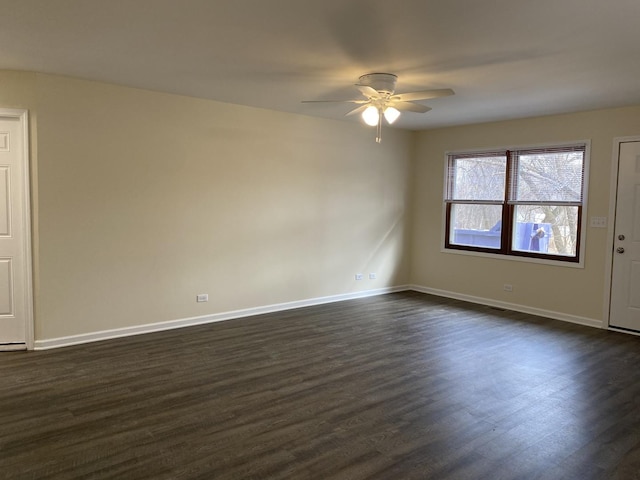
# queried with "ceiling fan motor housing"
point(382, 82)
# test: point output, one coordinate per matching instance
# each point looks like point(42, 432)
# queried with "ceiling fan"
point(382, 101)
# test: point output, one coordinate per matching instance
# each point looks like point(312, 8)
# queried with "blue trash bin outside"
point(532, 237)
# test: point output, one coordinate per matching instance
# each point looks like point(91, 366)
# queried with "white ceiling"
point(504, 58)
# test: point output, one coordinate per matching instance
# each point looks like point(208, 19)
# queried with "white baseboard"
point(279, 307)
point(217, 317)
point(590, 322)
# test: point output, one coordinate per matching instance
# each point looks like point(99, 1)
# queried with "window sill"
point(514, 258)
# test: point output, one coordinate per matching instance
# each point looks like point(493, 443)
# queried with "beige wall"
point(570, 291)
point(144, 200)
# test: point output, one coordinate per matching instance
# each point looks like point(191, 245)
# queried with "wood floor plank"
point(399, 386)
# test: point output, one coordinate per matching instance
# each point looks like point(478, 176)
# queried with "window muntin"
point(525, 202)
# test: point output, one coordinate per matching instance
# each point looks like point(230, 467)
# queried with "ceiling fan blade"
point(411, 107)
point(356, 110)
point(335, 101)
point(368, 91)
point(423, 95)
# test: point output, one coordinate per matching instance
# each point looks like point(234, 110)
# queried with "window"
point(525, 202)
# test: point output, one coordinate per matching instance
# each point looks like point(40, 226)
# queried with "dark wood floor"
point(399, 386)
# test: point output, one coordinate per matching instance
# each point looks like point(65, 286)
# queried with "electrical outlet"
point(508, 287)
point(372, 276)
point(203, 297)
point(359, 276)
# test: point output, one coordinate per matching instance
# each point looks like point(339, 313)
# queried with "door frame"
point(23, 116)
point(613, 198)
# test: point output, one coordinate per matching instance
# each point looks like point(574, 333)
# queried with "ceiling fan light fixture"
point(371, 115)
point(391, 114)
point(379, 99)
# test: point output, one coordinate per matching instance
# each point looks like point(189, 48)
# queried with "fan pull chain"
point(379, 127)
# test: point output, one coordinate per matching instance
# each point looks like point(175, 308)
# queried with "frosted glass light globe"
point(391, 114)
point(371, 116)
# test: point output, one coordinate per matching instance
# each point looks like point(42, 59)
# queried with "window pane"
point(481, 178)
point(545, 229)
point(550, 177)
point(475, 225)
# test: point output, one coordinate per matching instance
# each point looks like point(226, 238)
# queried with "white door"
point(15, 252)
point(625, 280)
